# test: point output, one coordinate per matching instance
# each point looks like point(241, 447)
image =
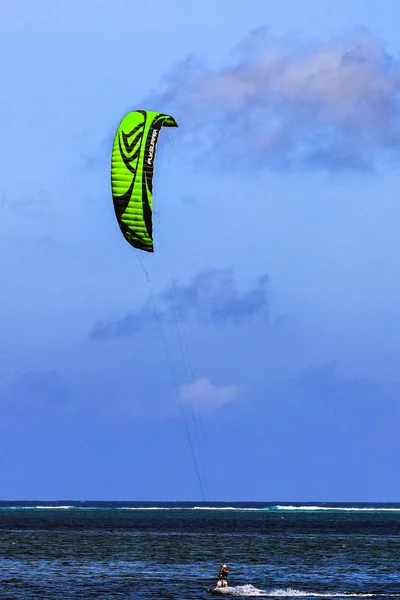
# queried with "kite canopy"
point(132, 166)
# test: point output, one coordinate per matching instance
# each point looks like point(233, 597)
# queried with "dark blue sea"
point(135, 551)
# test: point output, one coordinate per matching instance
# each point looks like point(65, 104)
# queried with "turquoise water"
point(82, 550)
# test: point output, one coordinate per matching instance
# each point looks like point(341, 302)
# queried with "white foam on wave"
point(340, 508)
point(249, 590)
point(192, 508)
point(53, 507)
point(266, 508)
point(292, 593)
point(270, 508)
point(148, 508)
point(48, 507)
point(237, 508)
point(243, 590)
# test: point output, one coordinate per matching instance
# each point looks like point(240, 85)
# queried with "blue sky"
point(275, 273)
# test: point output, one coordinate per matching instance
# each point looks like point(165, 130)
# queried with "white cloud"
point(287, 103)
point(204, 395)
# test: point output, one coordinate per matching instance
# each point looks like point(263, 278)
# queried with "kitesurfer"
point(222, 577)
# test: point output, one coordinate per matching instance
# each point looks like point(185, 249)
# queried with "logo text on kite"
point(152, 146)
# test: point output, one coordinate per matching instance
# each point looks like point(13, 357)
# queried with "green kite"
point(132, 166)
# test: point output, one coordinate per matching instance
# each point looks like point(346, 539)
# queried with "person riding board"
point(222, 577)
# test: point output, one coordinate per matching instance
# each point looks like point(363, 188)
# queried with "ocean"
point(143, 550)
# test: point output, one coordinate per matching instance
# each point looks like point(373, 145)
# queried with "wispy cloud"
point(327, 399)
point(324, 380)
point(37, 390)
point(290, 104)
point(205, 395)
point(128, 325)
point(212, 296)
